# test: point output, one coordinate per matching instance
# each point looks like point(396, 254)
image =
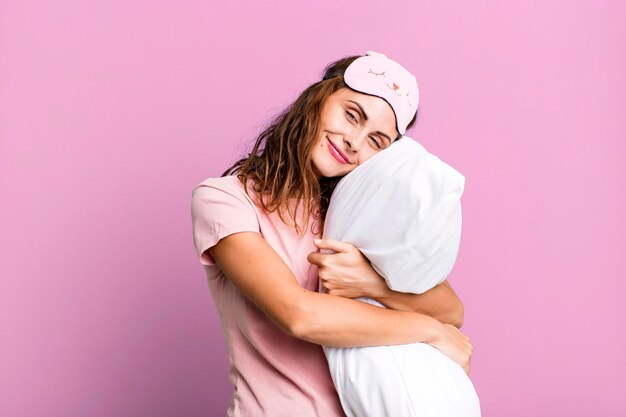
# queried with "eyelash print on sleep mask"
point(380, 76)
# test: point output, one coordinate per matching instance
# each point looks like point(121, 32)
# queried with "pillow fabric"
point(402, 209)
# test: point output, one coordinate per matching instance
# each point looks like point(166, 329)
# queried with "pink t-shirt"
point(273, 373)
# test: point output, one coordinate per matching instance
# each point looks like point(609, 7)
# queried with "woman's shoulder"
point(222, 186)
point(228, 181)
point(220, 207)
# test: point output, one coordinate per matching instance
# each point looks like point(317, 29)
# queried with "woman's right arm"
point(262, 276)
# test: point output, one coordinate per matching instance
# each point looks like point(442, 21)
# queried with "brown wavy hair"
point(280, 164)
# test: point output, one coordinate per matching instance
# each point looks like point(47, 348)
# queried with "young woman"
point(253, 229)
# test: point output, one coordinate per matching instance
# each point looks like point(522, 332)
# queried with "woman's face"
point(353, 127)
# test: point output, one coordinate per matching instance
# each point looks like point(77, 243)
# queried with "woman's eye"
point(371, 137)
point(376, 142)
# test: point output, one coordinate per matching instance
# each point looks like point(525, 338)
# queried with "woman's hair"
point(280, 162)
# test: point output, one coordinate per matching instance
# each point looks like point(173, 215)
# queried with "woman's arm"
point(260, 273)
point(440, 302)
point(348, 273)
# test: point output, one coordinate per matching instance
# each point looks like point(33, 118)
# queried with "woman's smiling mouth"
point(336, 153)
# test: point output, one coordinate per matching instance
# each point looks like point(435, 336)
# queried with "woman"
point(253, 232)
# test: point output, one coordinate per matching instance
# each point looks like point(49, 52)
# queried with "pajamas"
point(273, 373)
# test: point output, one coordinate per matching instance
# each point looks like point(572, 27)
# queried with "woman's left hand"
point(347, 272)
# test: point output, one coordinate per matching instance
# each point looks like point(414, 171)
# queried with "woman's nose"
point(353, 141)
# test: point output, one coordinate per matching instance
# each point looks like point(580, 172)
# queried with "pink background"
point(111, 112)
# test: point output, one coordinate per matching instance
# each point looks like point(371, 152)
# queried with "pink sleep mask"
point(380, 76)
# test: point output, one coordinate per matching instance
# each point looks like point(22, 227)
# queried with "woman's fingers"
point(458, 332)
point(462, 353)
point(332, 244)
point(315, 258)
point(462, 337)
point(319, 259)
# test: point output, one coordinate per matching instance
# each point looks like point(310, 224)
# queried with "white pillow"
point(402, 209)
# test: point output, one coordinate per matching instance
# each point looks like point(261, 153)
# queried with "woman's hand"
point(347, 272)
point(455, 345)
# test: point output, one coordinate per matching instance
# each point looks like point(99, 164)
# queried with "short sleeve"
point(218, 209)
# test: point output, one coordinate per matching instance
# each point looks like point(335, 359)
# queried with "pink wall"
point(110, 113)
